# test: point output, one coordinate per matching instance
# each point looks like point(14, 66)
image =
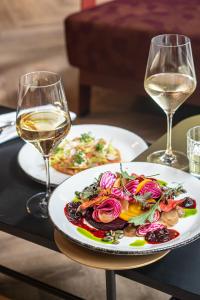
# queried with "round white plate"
point(189, 228)
point(129, 144)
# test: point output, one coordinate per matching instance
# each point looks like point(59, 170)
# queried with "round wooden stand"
point(99, 260)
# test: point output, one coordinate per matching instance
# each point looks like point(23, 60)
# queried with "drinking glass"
point(169, 80)
point(193, 150)
point(43, 120)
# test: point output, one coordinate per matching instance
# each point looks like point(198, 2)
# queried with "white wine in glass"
point(42, 120)
point(169, 80)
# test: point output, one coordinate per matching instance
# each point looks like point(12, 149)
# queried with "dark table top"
point(177, 273)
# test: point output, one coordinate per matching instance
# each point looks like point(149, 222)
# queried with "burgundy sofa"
point(109, 43)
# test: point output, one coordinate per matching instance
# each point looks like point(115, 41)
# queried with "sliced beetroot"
point(114, 225)
point(107, 211)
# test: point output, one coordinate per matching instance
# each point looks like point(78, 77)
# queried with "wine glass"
point(170, 79)
point(43, 120)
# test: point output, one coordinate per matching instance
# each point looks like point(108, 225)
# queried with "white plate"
point(129, 144)
point(189, 228)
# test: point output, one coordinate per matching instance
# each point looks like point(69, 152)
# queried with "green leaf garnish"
point(161, 182)
point(78, 157)
point(89, 192)
point(58, 150)
point(86, 138)
point(153, 175)
point(143, 198)
point(171, 192)
point(99, 147)
point(125, 174)
point(147, 216)
point(78, 194)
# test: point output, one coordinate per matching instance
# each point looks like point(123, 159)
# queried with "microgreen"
point(125, 174)
point(161, 182)
point(99, 147)
point(86, 137)
point(88, 192)
point(142, 198)
point(149, 215)
point(154, 175)
point(78, 157)
point(174, 191)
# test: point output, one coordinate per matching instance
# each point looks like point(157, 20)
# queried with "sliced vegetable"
point(151, 187)
point(147, 216)
point(93, 202)
point(131, 186)
point(141, 185)
point(144, 229)
point(107, 211)
point(107, 180)
point(119, 193)
point(134, 209)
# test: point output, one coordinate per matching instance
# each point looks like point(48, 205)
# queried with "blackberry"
point(72, 210)
point(158, 236)
point(188, 203)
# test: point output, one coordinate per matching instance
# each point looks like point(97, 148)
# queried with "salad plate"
point(134, 208)
point(128, 144)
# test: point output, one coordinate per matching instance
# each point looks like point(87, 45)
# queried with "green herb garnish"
point(147, 216)
point(125, 174)
point(86, 138)
point(99, 147)
point(153, 175)
point(161, 182)
point(89, 192)
point(58, 150)
point(78, 194)
point(78, 157)
point(171, 192)
point(143, 198)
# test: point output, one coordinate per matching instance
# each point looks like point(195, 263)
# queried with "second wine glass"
point(43, 120)
point(169, 80)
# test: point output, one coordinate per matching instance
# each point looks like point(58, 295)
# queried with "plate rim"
point(76, 125)
point(124, 252)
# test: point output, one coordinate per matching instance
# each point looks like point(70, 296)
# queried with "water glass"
point(193, 150)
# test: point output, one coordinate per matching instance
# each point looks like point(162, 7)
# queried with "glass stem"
point(168, 151)
point(48, 188)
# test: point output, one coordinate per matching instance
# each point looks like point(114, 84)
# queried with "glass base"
point(37, 206)
point(178, 160)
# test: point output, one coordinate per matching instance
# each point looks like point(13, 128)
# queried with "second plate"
point(129, 144)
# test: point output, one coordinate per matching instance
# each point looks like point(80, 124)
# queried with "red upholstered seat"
point(113, 39)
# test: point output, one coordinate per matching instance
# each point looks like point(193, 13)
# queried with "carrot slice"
point(90, 203)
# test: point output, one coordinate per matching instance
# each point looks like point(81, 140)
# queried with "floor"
point(31, 38)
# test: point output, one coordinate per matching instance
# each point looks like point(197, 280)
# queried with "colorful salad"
point(80, 153)
point(118, 205)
